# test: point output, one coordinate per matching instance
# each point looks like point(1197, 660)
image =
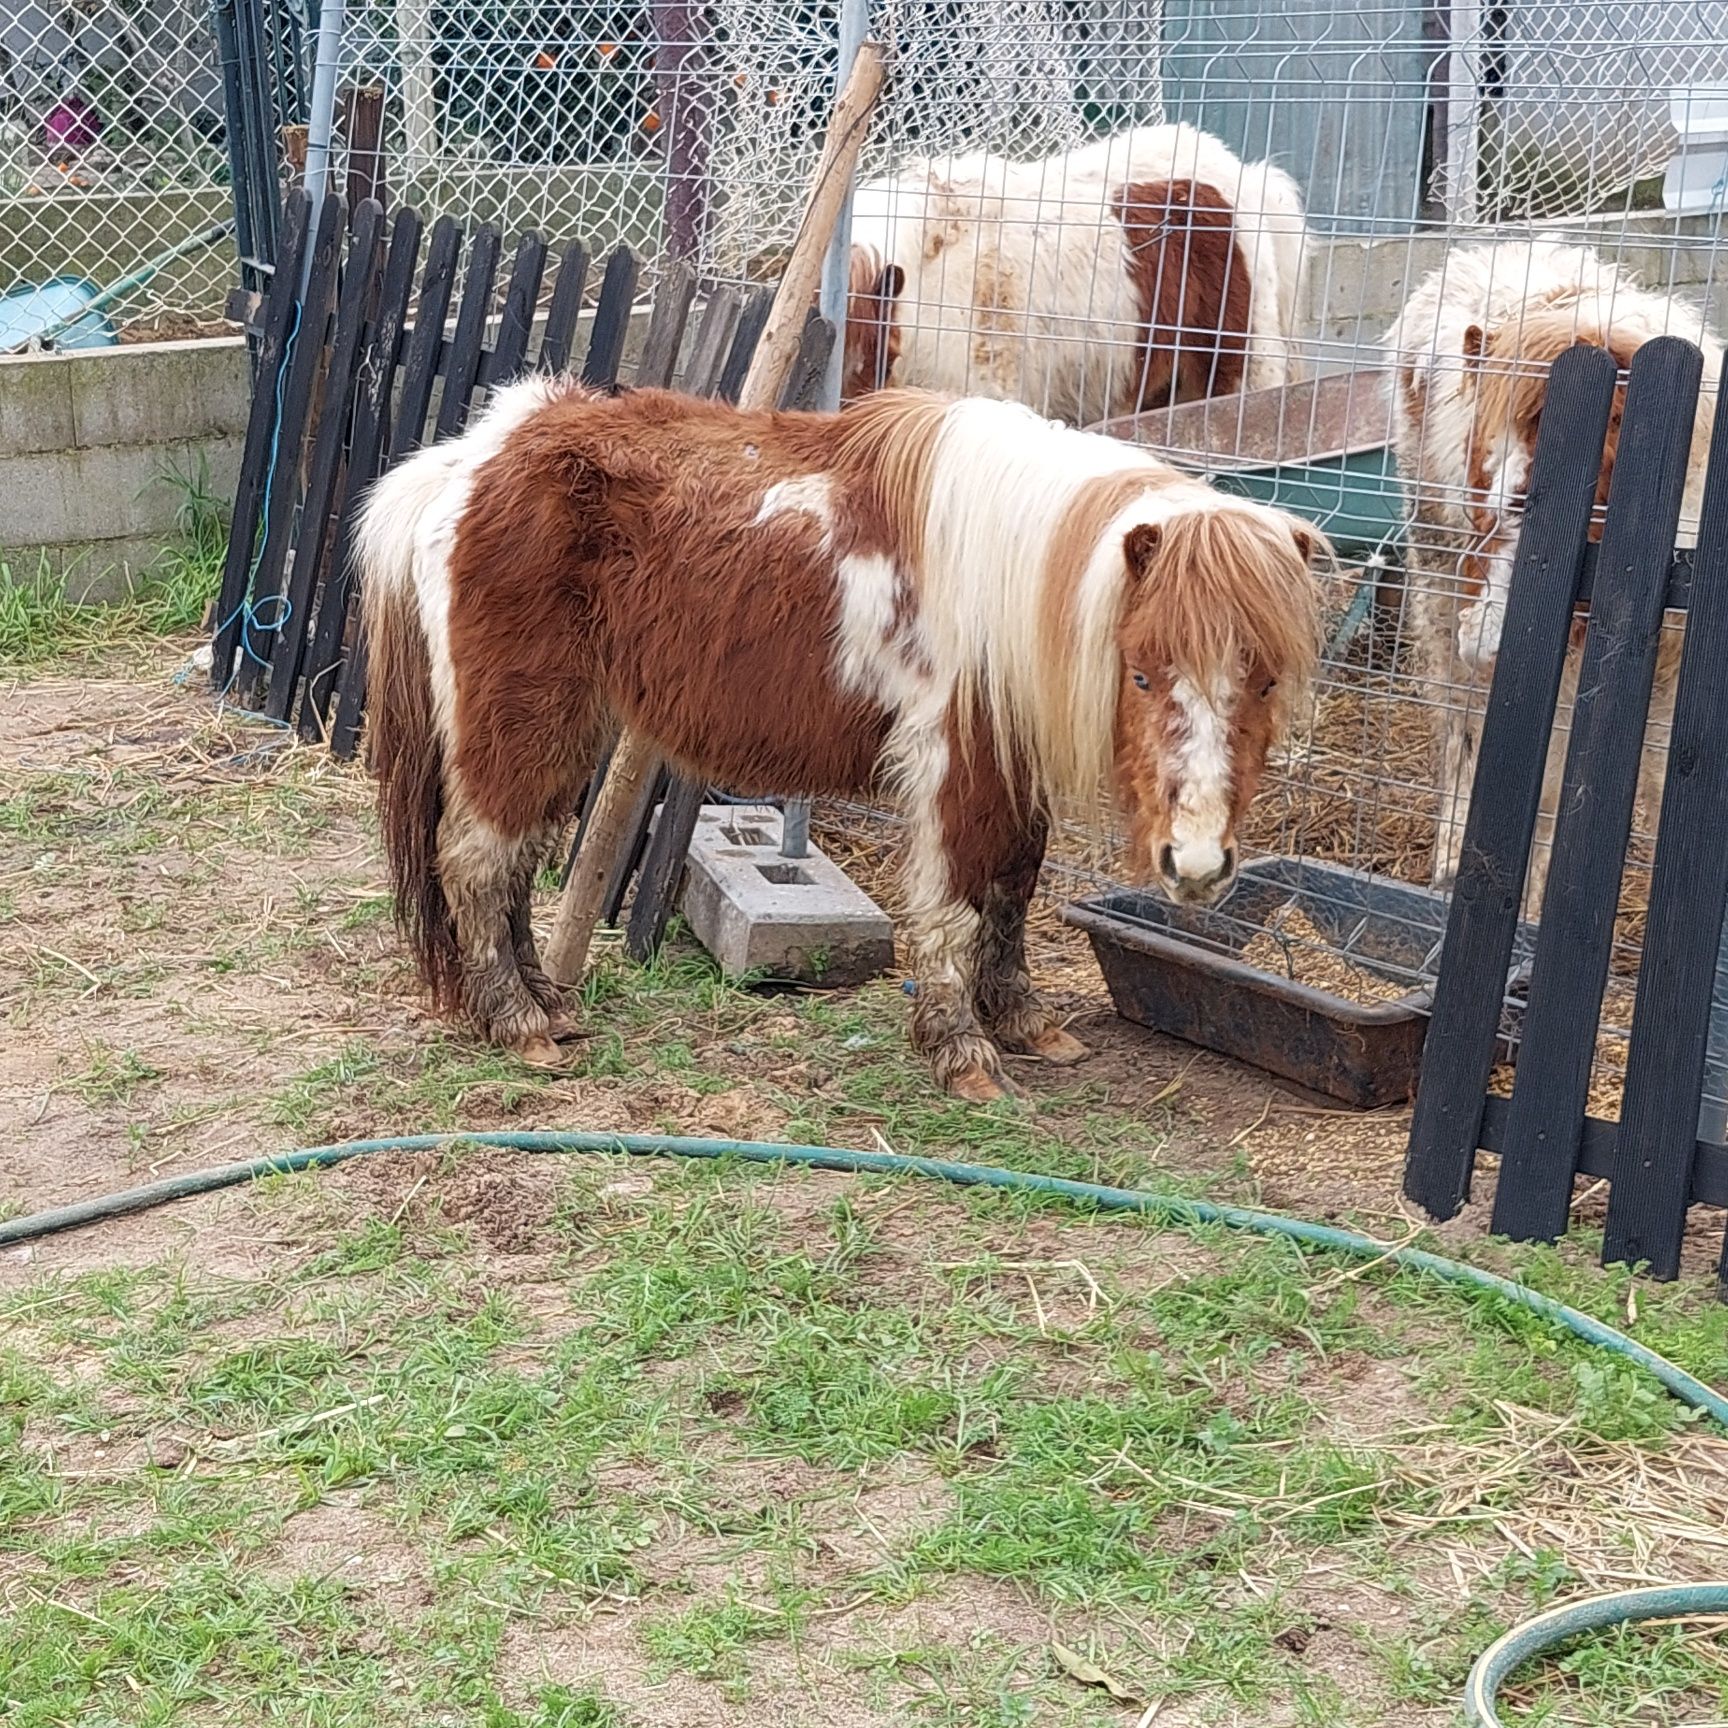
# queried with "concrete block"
point(755, 911)
point(113, 491)
point(35, 405)
point(160, 393)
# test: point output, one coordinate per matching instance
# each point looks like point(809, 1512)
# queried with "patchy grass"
point(41, 624)
point(601, 1443)
point(800, 1449)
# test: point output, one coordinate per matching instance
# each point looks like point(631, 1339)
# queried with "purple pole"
point(683, 81)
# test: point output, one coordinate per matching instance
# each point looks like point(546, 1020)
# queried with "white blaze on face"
point(1481, 622)
point(1200, 827)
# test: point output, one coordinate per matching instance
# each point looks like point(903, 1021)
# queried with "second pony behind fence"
point(1148, 268)
point(991, 615)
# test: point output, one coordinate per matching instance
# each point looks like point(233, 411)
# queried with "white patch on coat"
point(807, 495)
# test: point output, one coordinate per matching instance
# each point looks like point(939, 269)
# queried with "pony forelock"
point(1228, 589)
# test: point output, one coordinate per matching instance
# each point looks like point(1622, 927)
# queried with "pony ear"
point(1475, 340)
point(1140, 546)
point(1307, 541)
point(890, 283)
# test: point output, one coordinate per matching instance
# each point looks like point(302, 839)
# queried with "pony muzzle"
point(1196, 873)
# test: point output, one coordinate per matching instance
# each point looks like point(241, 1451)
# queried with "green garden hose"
point(1570, 1620)
point(1162, 1207)
point(1495, 1664)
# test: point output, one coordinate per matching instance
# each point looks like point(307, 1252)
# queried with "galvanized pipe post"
point(836, 274)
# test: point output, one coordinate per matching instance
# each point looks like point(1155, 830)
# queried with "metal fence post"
point(836, 276)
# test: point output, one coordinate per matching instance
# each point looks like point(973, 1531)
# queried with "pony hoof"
point(540, 1052)
point(1055, 1045)
point(562, 1029)
point(976, 1085)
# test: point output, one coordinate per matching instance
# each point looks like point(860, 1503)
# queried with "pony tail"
point(405, 748)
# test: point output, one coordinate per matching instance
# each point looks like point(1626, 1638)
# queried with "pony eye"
point(1141, 681)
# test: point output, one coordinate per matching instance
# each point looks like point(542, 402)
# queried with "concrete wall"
point(88, 443)
point(102, 237)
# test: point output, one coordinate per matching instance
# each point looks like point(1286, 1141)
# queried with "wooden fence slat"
point(663, 867)
point(589, 793)
point(653, 790)
point(565, 311)
point(358, 284)
point(420, 366)
point(281, 497)
point(611, 319)
point(713, 338)
point(350, 701)
point(516, 324)
point(255, 456)
point(462, 360)
point(363, 126)
point(1603, 755)
point(666, 323)
point(1657, 1144)
point(752, 321)
point(810, 367)
point(1482, 920)
point(365, 455)
point(668, 849)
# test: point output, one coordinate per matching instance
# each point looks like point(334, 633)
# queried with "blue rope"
point(247, 612)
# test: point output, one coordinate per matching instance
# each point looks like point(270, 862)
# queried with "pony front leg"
point(945, 1029)
point(1002, 992)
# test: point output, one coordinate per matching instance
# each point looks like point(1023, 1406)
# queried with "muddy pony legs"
point(967, 896)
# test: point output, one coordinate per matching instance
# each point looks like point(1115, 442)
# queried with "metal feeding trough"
point(1180, 970)
point(1320, 450)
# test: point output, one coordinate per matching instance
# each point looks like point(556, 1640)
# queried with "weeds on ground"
point(41, 623)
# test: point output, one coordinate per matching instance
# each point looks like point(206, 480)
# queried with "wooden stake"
point(636, 757)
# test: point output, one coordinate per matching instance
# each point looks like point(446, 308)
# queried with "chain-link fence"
point(599, 118)
point(111, 152)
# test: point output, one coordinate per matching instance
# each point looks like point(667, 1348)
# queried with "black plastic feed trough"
point(1179, 970)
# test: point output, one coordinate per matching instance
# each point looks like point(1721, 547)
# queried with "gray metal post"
point(321, 122)
point(836, 272)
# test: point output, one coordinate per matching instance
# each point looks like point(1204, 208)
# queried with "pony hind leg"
point(483, 872)
point(551, 997)
point(1007, 1005)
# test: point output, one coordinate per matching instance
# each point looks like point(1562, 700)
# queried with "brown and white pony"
point(1148, 268)
point(1471, 353)
point(988, 613)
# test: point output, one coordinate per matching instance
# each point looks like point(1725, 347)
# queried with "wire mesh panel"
point(112, 153)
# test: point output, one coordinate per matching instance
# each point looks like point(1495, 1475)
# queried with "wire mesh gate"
point(1653, 1158)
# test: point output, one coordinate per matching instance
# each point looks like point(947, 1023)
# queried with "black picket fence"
point(360, 363)
point(1656, 1166)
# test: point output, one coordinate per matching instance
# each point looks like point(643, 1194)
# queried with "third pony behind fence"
point(992, 616)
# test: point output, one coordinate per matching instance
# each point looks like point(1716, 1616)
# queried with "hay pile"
point(1292, 946)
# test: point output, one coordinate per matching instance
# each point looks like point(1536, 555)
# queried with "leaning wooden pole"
point(635, 757)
